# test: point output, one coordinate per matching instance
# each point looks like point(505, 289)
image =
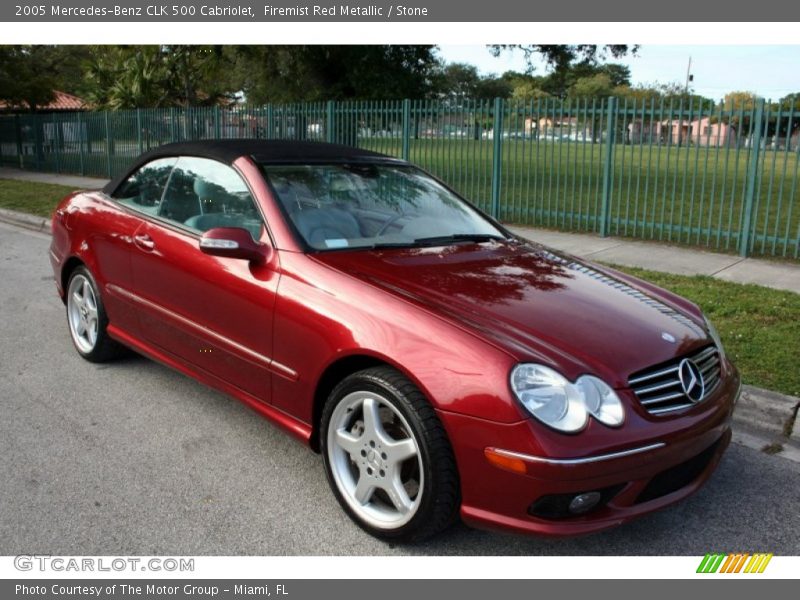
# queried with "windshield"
point(374, 205)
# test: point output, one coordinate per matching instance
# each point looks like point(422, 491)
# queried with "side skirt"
point(294, 427)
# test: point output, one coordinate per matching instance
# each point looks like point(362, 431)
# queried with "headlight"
point(561, 404)
point(601, 401)
point(712, 331)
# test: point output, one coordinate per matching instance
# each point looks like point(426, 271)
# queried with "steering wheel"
point(389, 223)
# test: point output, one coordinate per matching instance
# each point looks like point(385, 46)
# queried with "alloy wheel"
point(82, 313)
point(375, 460)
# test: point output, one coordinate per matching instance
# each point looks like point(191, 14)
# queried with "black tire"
point(440, 495)
point(105, 348)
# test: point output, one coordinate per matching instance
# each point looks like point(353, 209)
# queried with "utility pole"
point(689, 76)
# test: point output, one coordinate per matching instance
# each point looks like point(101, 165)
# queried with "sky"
point(769, 71)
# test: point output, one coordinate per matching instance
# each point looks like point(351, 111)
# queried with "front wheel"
point(87, 320)
point(387, 457)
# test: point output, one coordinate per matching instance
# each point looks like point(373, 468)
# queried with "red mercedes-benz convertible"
point(440, 364)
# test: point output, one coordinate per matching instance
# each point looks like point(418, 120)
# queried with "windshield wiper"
point(438, 240)
point(379, 245)
point(458, 237)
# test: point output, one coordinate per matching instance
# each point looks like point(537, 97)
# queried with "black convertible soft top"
point(265, 151)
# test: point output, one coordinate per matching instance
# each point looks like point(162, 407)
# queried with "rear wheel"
point(87, 318)
point(387, 457)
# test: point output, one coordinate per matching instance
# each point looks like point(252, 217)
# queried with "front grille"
point(660, 389)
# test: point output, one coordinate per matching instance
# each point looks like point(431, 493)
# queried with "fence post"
point(406, 129)
point(608, 166)
point(752, 178)
point(38, 128)
point(301, 122)
point(139, 129)
point(270, 122)
point(330, 133)
point(80, 145)
point(217, 123)
point(18, 134)
point(497, 156)
point(108, 145)
point(171, 124)
point(55, 145)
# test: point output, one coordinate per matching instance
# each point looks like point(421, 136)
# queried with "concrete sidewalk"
point(670, 259)
point(621, 251)
point(76, 181)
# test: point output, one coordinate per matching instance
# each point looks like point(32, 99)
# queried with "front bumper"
point(649, 463)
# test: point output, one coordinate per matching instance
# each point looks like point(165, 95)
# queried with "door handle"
point(144, 241)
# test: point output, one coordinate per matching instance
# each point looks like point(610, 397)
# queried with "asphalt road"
point(133, 458)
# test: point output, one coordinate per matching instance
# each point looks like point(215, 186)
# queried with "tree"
point(594, 86)
point(673, 92)
point(618, 74)
point(740, 106)
point(524, 86)
point(785, 126)
point(493, 87)
point(316, 73)
point(462, 81)
point(119, 78)
point(198, 73)
point(738, 101)
point(560, 57)
point(528, 90)
point(790, 101)
point(458, 80)
point(638, 93)
point(124, 77)
point(569, 63)
point(564, 75)
point(30, 75)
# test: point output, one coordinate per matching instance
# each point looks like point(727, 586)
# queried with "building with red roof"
point(62, 102)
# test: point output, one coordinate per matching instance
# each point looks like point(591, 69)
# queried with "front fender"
point(323, 317)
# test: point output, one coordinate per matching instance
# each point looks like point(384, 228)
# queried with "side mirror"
point(233, 242)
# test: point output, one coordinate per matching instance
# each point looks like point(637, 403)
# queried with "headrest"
point(206, 190)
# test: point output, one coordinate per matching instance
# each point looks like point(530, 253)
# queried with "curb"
point(771, 413)
point(21, 219)
point(765, 421)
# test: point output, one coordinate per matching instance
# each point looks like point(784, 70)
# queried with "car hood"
point(538, 304)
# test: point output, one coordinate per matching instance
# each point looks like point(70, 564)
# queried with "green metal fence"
point(720, 177)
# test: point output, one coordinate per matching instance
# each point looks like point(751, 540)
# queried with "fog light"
point(563, 506)
point(584, 502)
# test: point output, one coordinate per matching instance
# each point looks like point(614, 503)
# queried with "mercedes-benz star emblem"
point(691, 380)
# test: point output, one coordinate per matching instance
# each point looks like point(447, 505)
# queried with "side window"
point(144, 188)
point(203, 194)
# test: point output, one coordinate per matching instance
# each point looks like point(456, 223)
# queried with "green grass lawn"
point(30, 197)
point(689, 195)
point(759, 326)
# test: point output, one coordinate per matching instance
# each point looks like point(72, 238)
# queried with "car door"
point(212, 312)
point(115, 220)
